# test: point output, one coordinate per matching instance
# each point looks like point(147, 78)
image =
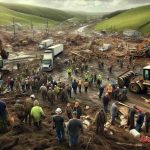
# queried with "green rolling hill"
point(135, 18)
point(25, 13)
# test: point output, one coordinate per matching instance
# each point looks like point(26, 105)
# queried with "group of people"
point(29, 112)
point(141, 118)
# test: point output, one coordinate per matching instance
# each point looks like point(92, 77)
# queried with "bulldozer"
point(135, 83)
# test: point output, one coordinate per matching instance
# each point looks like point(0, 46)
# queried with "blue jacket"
point(140, 118)
point(74, 85)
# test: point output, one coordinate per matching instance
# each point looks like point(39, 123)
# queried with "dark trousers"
point(69, 93)
point(147, 127)
point(79, 88)
point(85, 89)
point(106, 107)
point(28, 118)
point(3, 125)
point(75, 91)
point(38, 124)
point(138, 127)
point(73, 140)
point(100, 128)
point(60, 134)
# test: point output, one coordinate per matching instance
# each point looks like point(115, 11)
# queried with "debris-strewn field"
point(80, 49)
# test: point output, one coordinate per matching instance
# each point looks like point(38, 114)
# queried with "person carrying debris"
point(74, 128)
point(28, 104)
point(139, 121)
point(69, 111)
point(86, 85)
point(106, 100)
point(78, 109)
point(43, 90)
point(99, 121)
point(58, 124)
point(147, 121)
point(37, 114)
point(114, 112)
point(75, 86)
point(3, 117)
point(131, 117)
point(20, 110)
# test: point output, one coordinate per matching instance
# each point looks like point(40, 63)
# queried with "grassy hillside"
point(136, 18)
point(53, 14)
point(6, 17)
point(25, 13)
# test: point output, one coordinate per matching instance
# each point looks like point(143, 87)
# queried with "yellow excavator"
point(136, 83)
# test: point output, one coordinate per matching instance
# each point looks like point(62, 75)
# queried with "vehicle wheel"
point(135, 88)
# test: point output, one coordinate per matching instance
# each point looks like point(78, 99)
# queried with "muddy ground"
point(27, 138)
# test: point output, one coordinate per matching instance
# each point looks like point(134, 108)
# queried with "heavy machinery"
point(136, 83)
point(141, 50)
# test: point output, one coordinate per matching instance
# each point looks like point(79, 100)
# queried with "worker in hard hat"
point(37, 114)
point(28, 104)
point(58, 124)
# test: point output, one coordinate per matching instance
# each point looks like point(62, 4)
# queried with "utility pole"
point(47, 27)
point(14, 28)
point(32, 29)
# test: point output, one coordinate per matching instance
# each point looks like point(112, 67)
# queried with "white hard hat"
point(58, 111)
point(32, 96)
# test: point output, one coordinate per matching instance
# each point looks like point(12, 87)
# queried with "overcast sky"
point(84, 5)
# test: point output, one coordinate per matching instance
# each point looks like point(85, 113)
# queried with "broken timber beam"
point(78, 55)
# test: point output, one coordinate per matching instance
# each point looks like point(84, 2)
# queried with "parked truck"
point(48, 58)
point(45, 44)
